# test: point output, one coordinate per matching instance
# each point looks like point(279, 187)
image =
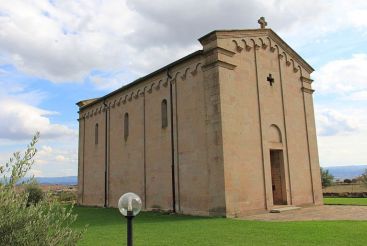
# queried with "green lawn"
point(107, 227)
point(345, 201)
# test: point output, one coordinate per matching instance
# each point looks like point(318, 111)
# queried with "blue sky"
point(56, 53)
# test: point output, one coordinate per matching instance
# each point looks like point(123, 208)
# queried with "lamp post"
point(129, 205)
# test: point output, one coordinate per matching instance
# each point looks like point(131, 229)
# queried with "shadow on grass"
point(111, 216)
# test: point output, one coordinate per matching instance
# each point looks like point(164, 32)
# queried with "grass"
point(345, 201)
point(108, 227)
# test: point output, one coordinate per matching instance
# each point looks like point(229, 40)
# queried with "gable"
point(259, 38)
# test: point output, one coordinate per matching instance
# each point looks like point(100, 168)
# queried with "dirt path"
point(326, 212)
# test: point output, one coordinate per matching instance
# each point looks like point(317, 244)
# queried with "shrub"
point(326, 178)
point(364, 177)
point(34, 193)
point(67, 196)
point(43, 223)
point(347, 181)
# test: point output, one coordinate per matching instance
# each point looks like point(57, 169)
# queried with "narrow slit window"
point(126, 126)
point(96, 134)
point(164, 113)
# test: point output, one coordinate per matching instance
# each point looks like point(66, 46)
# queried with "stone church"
point(227, 130)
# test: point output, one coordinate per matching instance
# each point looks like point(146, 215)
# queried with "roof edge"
point(291, 51)
point(270, 33)
point(141, 79)
point(85, 102)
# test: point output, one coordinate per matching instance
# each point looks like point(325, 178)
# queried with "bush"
point(326, 178)
point(22, 223)
point(364, 177)
point(34, 193)
point(67, 196)
point(347, 181)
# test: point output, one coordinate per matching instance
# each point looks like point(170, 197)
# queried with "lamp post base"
point(129, 218)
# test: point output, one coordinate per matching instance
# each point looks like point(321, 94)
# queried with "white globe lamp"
point(129, 205)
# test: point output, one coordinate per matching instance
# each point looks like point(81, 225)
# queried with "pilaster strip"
point(285, 129)
point(261, 132)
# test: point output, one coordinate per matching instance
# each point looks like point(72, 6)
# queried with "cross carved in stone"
point(270, 79)
point(262, 22)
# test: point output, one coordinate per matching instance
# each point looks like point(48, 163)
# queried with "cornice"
point(219, 50)
point(218, 57)
point(306, 80)
point(307, 90)
point(261, 34)
point(145, 78)
point(244, 40)
point(290, 51)
point(140, 90)
point(219, 63)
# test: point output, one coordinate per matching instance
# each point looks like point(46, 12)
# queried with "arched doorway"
point(277, 167)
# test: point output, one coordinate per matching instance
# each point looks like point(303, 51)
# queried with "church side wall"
point(158, 151)
point(191, 145)
point(93, 176)
point(142, 163)
point(126, 155)
point(81, 146)
point(214, 137)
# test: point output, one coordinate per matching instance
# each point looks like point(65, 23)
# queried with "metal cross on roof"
point(262, 22)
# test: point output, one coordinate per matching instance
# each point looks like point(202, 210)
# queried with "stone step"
point(284, 209)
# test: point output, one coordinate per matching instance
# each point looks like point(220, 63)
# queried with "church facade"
point(227, 130)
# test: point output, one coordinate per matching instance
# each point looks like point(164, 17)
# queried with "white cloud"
point(12, 90)
point(341, 111)
point(50, 161)
point(45, 150)
point(20, 121)
point(108, 80)
point(343, 77)
point(359, 95)
point(344, 150)
point(59, 160)
point(331, 122)
point(65, 40)
point(21, 117)
point(342, 135)
point(55, 155)
point(35, 172)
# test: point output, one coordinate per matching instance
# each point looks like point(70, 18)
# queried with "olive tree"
point(23, 223)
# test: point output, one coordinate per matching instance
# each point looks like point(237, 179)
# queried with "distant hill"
point(339, 172)
point(346, 172)
point(67, 180)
